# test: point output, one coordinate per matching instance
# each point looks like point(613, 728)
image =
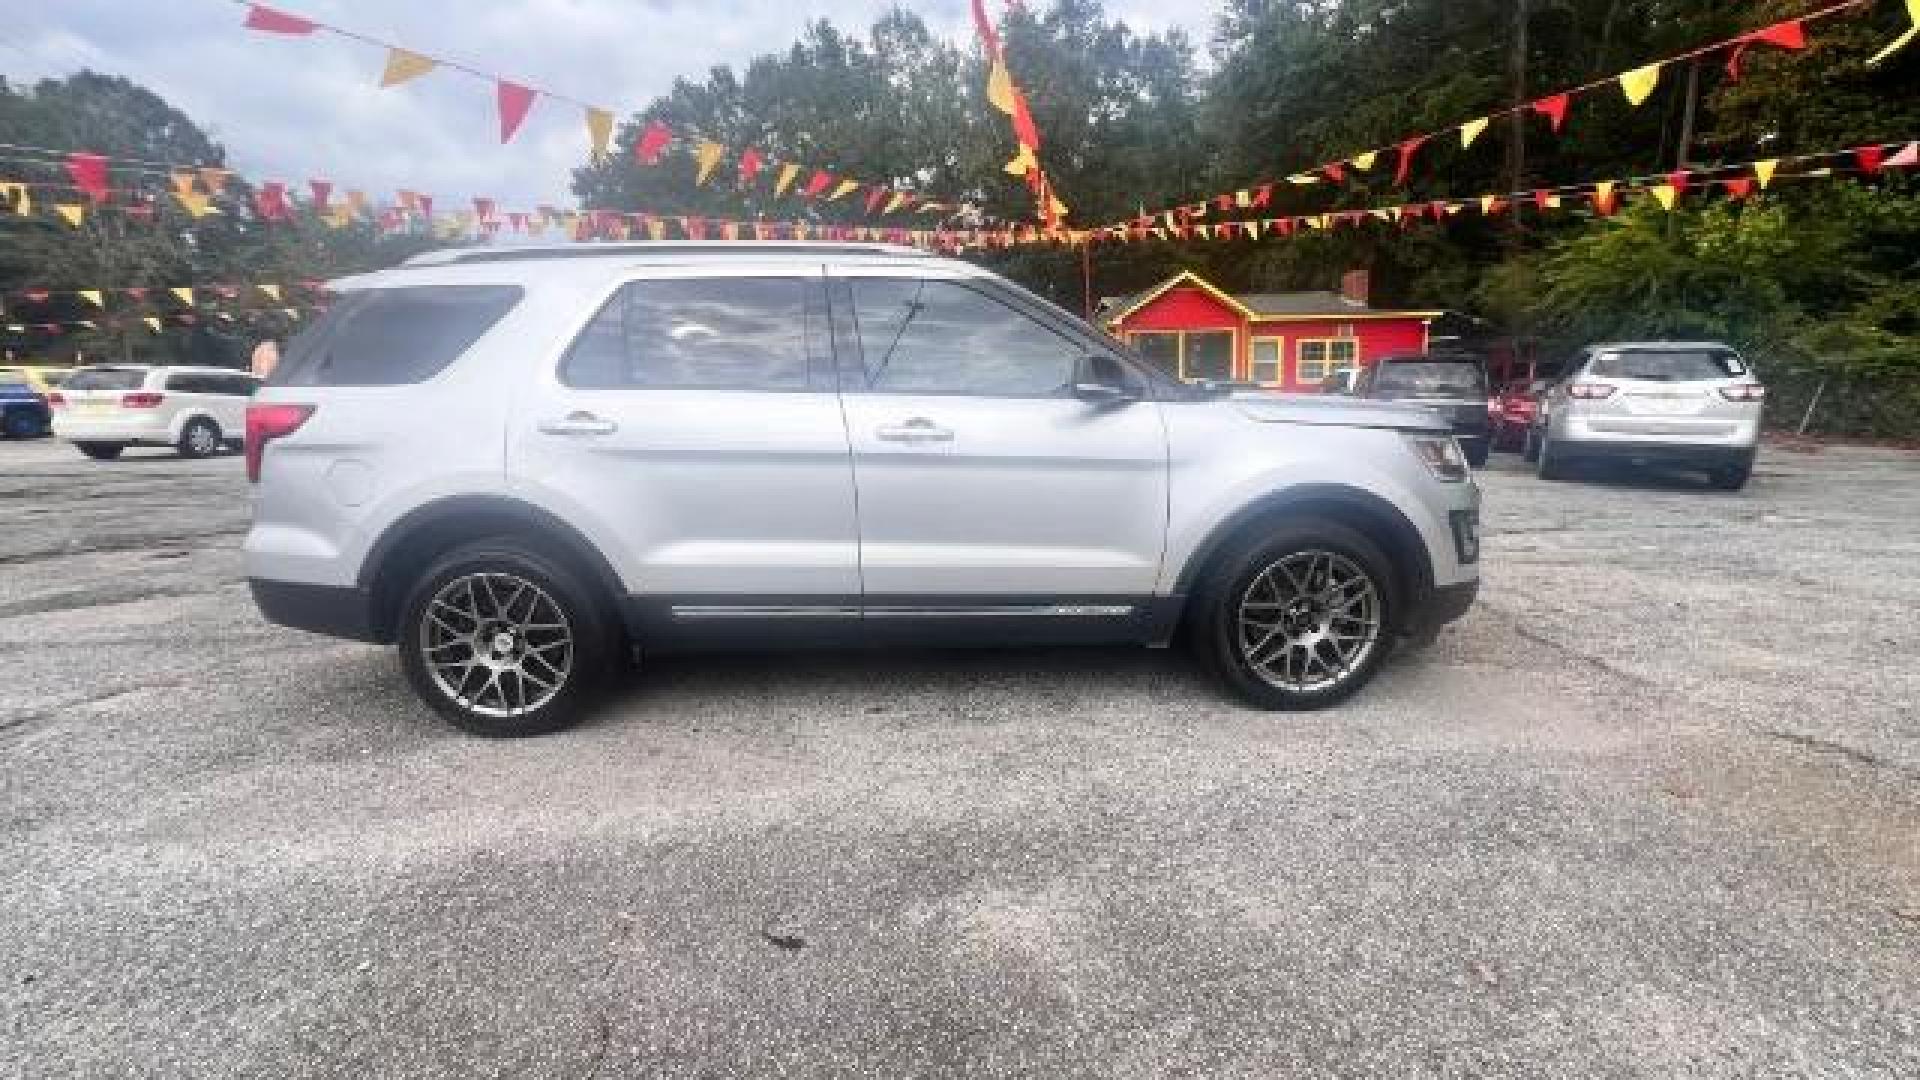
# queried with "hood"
point(1336, 411)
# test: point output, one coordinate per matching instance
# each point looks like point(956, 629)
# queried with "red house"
point(1288, 341)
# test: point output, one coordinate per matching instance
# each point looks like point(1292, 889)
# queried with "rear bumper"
point(1663, 453)
point(148, 430)
point(321, 609)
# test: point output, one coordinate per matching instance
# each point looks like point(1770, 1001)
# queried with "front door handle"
point(579, 423)
point(917, 430)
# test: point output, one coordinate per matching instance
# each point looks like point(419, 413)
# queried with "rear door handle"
point(578, 424)
point(917, 430)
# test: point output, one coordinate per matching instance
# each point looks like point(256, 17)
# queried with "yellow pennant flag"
point(1472, 130)
point(338, 215)
point(357, 201)
point(1000, 87)
point(270, 290)
point(1638, 84)
point(1901, 42)
point(1243, 198)
point(403, 65)
point(92, 296)
point(153, 323)
point(184, 295)
point(1023, 162)
point(1364, 162)
point(729, 231)
point(1303, 179)
point(656, 229)
point(707, 155)
point(182, 182)
point(1056, 207)
point(788, 171)
point(894, 203)
point(1764, 170)
point(1552, 202)
point(801, 230)
point(195, 203)
point(847, 187)
point(1667, 194)
point(1383, 215)
point(599, 131)
point(74, 213)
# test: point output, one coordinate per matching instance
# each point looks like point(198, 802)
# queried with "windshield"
point(105, 378)
point(1665, 365)
point(1431, 378)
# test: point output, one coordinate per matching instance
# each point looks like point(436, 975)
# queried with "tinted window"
point(1668, 366)
point(938, 337)
point(1430, 379)
point(712, 333)
point(387, 337)
point(107, 379)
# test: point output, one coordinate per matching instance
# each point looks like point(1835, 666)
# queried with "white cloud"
point(295, 108)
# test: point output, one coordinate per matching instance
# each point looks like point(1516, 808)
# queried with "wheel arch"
point(410, 544)
point(1365, 512)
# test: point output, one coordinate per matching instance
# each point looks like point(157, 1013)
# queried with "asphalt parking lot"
point(1653, 810)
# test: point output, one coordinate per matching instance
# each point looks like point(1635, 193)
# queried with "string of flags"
point(155, 322)
point(185, 295)
point(1604, 197)
point(1006, 95)
point(1636, 85)
point(514, 100)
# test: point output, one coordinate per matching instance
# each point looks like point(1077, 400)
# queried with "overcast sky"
point(295, 108)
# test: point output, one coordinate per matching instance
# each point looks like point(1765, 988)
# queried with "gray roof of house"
point(1313, 302)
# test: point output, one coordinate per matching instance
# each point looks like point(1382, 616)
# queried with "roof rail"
point(723, 248)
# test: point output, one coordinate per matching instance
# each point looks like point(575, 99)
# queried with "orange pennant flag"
point(404, 65)
point(788, 170)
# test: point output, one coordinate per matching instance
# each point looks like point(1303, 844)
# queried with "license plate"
point(94, 406)
point(1666, 406)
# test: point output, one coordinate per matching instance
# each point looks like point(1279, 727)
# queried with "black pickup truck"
point(1452, 384)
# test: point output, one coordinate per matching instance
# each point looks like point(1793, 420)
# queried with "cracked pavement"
point(1652, 809)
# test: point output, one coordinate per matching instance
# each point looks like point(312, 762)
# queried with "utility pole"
point(1086, 276)
point(1517, 122)
point(1687, 117)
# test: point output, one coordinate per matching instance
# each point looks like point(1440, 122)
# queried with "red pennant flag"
point(517, 220)
point(1553, 108)
point(514, 101)
point(271, 201)
point(1606, 200)
point(426, 205)
point(818, 183)
point(1407, 150)
point(750, 163)
point(483, 208)
point(262, 17)
point(1335, 172)
point(1679, 180)
point(89, 172)
point(1739, 187)
point(137, 293)
point(652, 142)
point(1262, 196)
point(1905, 159)
point(1224, 202)
point(38, 296)
point(695, 227)
point(1870, 158)
point(322, 191)
point(1790, 35)
point(875, 196)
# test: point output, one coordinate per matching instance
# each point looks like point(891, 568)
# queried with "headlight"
point(1442, 456)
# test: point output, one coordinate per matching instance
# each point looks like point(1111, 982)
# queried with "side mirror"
point(1100, 380)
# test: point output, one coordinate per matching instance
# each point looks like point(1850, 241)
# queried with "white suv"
point(1694, 404)
point(520, 465)
point(103, 410)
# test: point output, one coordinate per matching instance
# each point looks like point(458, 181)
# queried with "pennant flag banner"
point(1007, 97)
point(404, 65)
point(599, 132)
point(515, 102)
point(1637, 84)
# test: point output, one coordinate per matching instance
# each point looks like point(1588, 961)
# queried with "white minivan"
point(103, 410)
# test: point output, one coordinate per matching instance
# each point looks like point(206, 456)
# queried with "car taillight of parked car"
point(1747, 392)
point(1591, 391)
point(143, 399)
point(266, 422)
point(56, 400)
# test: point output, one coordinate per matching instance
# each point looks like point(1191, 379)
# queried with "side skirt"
point(706, 623)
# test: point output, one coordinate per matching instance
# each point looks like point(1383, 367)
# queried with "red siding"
point(1184, 308)
point(1377, 338)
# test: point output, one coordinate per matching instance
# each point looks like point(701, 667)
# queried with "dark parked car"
point(1452, 384)
point(23, 412)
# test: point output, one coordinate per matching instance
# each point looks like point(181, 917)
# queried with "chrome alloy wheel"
point(1309, 620)
point(496, 643)
point(202, 440)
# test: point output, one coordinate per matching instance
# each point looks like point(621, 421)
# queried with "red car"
point(1511, 411)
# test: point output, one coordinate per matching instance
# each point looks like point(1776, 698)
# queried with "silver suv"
point(1694, 404)
point(523, 465)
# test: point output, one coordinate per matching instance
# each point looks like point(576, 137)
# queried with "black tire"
point(1548, 465)
point(1530, 446)
point(580, 670)
point(201, 438)
point(1732, 477)
point(101, 451)
point(1217, 629)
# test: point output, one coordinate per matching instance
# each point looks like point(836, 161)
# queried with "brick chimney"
point(1356, 286)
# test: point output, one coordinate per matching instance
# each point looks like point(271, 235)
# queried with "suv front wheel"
point(1299, 618)
point(503, 641)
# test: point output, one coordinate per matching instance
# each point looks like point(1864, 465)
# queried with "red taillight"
point(266, 422)
point(1744, 392)
point(1591, 391)
point(56, 400)
point(143, 399)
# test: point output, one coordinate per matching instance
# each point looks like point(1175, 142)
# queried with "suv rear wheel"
point(199, 439)
point(503, 641)
point(1299, 618)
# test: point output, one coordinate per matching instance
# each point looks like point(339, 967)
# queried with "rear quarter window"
point(107, 379)
point(392, 337)
point(1664, 365)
